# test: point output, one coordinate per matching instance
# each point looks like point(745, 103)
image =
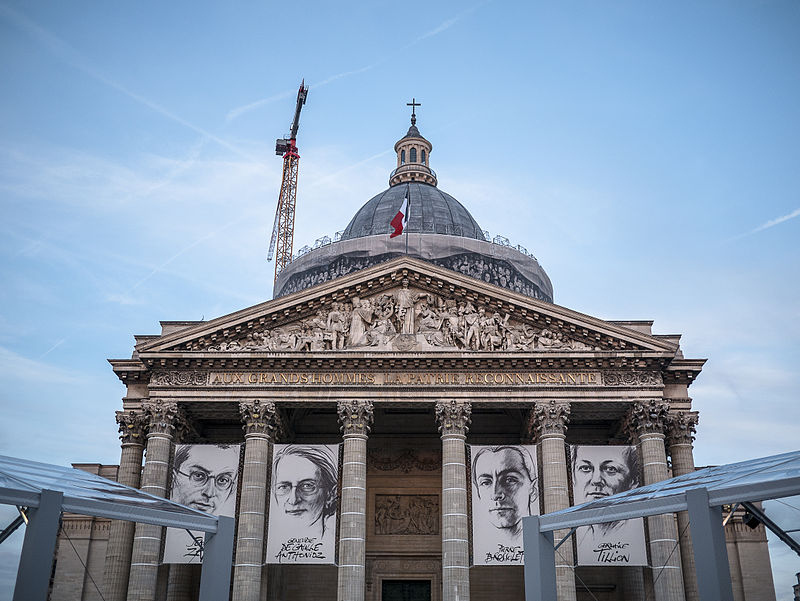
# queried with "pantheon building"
point(392, 414)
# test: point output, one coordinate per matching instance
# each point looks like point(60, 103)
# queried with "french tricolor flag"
point(401, 219)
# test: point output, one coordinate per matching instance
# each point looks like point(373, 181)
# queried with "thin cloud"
point(246, 108)
point(17, 368)
point(774, 222)
point(187, 248)
point(443, 26)
point(335, 174)
point(448, 23)
point(767, 224)
point(52, 348)
point(69, 55)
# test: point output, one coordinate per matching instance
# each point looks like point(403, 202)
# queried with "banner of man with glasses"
point(204, 477)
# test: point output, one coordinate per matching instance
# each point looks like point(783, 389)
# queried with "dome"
point(440, 230)
point(431, 211)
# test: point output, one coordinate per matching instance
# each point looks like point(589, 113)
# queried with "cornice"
point(141, 370)
point(683, 371)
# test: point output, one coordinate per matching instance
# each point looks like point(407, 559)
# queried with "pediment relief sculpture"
point(405, 319)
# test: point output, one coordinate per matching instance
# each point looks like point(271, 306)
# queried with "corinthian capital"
point(647, 417)
point(163, 417)
point(132, 427)
point(355, 417)
point(681, 427)
point(453, 417)
point(259, 417)
point(548, 419)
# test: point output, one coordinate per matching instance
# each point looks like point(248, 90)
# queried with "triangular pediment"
point(404, 305)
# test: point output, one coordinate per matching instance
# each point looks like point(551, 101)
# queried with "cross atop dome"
point(413, 104)
point(413, 152)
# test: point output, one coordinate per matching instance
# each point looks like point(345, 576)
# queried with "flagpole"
point(408, 208)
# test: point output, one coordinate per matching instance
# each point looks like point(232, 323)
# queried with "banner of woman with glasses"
point(303, 504)
point(204, 477)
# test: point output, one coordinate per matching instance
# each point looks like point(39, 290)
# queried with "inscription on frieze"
point(398, 379)
point(405, 379)
point(407, 514)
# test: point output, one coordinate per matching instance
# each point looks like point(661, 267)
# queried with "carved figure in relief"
point(449, 323)
point(548, 339)
point(337, 326)
point(474, 321)
point(406, 514)
point(425, 320)
point(361, 320)
point(383, 329)
point(428, 320)
point(406, 311)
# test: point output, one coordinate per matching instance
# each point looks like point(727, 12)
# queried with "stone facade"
point(405, 364)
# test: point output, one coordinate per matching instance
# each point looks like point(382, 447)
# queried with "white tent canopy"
point(48, 490)
point(701, 493)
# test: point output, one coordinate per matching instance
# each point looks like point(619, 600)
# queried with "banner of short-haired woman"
point(599, 472)
point(504, 490)
point(303, 504)
point(204, 477)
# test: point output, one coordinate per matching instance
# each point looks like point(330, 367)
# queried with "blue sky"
point(645, 153)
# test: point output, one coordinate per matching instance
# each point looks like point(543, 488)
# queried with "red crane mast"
point(283, 227)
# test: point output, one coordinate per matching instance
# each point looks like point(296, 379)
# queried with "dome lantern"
point(413, 155)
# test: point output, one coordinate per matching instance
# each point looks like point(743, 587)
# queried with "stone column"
point(260, 419)
point(646, 422)
point(681, 427)
point(179, 582)
point(163, 418)
point(132, 427)
point(179, 576)
point(548, 422)
point(453, 419)
point(355, 420)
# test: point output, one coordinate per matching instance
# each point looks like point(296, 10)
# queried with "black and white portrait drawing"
point(303, 504)
point(204, 477)
point(504, 490)
point(599, 472)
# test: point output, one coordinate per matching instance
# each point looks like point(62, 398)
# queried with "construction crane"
point(283, 227)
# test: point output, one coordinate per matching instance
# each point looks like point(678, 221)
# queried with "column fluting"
point(548, 423)
point(260, 419)
point(453, 418)
point(355, 420)
point(646, 423)
point(132, 430)
point(681, 427)
point(163, 418)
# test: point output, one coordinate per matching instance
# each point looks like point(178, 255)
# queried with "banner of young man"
point(504, 490)
point(303, 504)
point(598, 472)
point(204, 477)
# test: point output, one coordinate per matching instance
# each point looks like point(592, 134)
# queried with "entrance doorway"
point(406, 590)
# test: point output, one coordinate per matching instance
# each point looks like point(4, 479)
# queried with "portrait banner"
point(303, 504)
point(599, 472)
point(504, 490)
point(204, 477)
